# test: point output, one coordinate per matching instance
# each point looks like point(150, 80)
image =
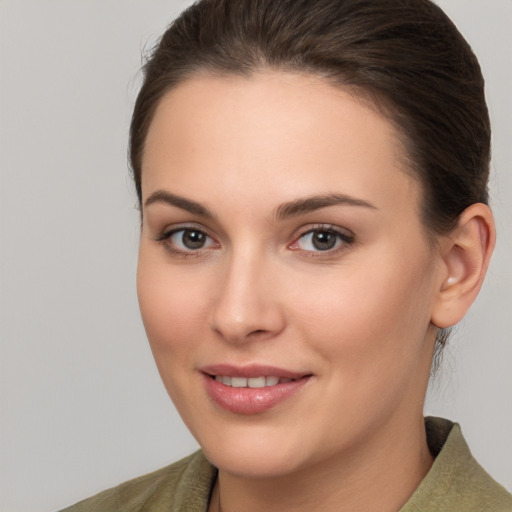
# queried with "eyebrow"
point(162, 196)
point(284, 211)
point(310, 204)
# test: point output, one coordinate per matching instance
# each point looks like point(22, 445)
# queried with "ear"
point(465, 255)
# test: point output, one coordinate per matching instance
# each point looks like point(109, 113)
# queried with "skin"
point(360, 318)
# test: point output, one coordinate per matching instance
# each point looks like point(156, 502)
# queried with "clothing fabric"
point(456, 482)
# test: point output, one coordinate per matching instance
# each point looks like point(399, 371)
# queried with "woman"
point(312, 178)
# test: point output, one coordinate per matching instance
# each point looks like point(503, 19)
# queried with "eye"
point(188, 240)
point(322, 240)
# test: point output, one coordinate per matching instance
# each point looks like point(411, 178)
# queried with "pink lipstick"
point(251, 389)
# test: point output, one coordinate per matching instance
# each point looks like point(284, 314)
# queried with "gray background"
point(82, 406)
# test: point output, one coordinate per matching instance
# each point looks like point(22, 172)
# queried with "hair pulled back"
point(406, 55)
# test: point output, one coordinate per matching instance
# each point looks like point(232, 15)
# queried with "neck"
point(380, 474)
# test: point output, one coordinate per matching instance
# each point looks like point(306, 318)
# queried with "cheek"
point(369, 328)
point(173, 311)
point(375, 314)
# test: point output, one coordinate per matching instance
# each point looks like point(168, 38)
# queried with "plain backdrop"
point(82, 405)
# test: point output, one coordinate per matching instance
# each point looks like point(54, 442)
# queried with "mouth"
point(251, 382)
point(252, 389)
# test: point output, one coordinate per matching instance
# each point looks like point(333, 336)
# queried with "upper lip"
point(253, 370)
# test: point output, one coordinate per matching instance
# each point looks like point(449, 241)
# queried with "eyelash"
point(165, 239)
point(343, 241)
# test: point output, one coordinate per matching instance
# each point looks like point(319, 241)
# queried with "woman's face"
point(281, 240)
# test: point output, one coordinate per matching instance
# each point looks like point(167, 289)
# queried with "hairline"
point(366, 96)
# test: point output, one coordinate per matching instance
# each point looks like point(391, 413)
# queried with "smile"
point(253, 389)
point(251, 382)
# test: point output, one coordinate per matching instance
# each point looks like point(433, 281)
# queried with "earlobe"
point(466, 252)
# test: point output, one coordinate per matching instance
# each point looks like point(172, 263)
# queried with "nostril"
point(257, 333)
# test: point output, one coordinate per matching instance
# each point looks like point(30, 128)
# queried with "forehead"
point(292, 133)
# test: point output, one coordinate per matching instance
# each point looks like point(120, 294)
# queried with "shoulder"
point(184, 486)
point(456, 481)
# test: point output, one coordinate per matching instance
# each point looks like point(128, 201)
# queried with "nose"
point(247, 306)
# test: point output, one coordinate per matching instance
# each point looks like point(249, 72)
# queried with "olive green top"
point(456, 482)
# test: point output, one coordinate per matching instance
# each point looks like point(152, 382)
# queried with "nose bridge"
point(246, 305)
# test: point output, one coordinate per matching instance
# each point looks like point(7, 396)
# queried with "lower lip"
point(251, 400)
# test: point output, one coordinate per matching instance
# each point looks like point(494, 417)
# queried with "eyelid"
point(167, 233)
point(345, 235)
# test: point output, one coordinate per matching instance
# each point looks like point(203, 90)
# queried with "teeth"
point(252, 382)
point(271, 381)
point(256, 382)
point(238, 382)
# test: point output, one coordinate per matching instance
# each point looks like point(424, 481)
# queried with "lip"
point(249, 401)
point(253, 370)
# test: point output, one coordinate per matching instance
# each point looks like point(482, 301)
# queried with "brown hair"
point(406, 55)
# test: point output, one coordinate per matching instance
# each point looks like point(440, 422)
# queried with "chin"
point(253, 465)
point(255, 454)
